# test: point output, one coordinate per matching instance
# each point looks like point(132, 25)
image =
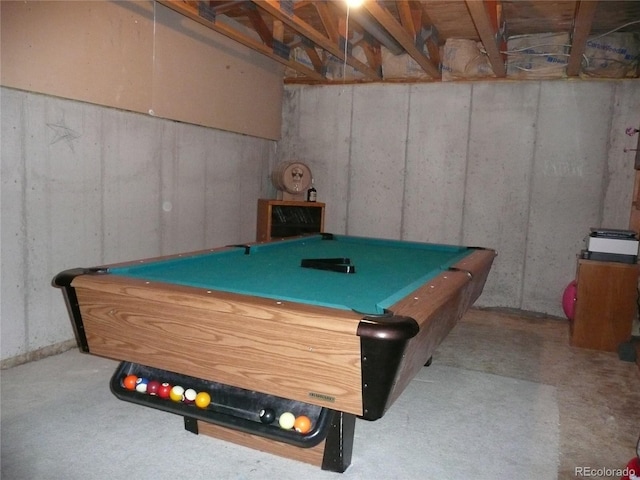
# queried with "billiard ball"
point(203, 399)
point(190, 395)
point(129, 382)
point(286, 420)
point(302, 424)
point(164, 391)
point(177, 393)
point(141, 385)
point(267, 415)
point(153, 387)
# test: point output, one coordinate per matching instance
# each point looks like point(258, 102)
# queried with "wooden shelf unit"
point(634, 218)
point(286, 218)
point(606, 304)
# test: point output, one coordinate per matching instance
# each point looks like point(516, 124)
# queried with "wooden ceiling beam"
point(406, 18)
point(329, 21)
point(259, 24)
point(314, 57)
point(585, 12)
point(432, 42)
point(191, 10)
point(273, 8)
point(402, 37)
point(373, 54)
point(488, 31)
point(221, 8)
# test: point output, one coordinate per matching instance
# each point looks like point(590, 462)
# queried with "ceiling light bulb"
point(354, 3)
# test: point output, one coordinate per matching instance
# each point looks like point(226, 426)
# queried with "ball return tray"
point(230, 407)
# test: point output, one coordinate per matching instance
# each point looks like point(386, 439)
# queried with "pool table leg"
point(332, 454)
point(339, 442)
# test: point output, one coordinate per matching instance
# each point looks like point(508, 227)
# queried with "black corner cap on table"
point(63, 281)
point(383, 340)
point(64, 278)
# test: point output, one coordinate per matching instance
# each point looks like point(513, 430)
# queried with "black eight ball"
point(267, 415)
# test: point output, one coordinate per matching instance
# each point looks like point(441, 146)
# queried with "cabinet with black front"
point(286, 218)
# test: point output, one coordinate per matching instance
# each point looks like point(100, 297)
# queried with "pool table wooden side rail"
point(437, 307)
point(302, 352)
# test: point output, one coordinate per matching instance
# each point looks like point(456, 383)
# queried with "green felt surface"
point(386, 271)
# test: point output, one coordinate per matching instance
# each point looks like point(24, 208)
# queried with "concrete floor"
point(598, 395)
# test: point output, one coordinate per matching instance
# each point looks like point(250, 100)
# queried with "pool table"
point(336, 324)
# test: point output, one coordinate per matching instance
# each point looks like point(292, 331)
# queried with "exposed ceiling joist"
point(312, 37)
point(275, 9)
point(403, 37)
point(585, 12)
point(487, 25)
point(195, 11)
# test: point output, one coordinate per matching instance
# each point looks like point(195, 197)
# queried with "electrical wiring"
point(615, 30)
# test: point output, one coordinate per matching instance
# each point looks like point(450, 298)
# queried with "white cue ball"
point(190, 395)
point(287, 420)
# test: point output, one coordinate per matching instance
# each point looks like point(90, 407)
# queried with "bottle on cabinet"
point(312, 193)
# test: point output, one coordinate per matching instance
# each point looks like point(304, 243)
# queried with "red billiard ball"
point(164, 390)
point(129, 382)
point(153, 387)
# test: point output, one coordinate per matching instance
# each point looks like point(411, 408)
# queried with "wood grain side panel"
point(437, 307)
point(479, 265)
point(606, 304)
point(236, 344)
point(313, 455)
point(339, 321)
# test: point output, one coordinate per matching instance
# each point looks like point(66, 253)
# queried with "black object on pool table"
point(340, 265)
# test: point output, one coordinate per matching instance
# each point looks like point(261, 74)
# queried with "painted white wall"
point(525, 168)
point(84, 185)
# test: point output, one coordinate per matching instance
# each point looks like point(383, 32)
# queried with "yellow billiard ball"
point(177, 393)
point(203, 399)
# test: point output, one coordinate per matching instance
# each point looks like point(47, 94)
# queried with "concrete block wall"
point(525, 168)
point(84, 185)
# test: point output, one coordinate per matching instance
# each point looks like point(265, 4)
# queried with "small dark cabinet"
point(285, 218)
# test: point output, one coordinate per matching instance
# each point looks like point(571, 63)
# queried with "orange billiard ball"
point(130, 382)
point(302, 424)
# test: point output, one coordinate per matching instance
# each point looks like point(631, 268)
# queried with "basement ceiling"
point(431, 40)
